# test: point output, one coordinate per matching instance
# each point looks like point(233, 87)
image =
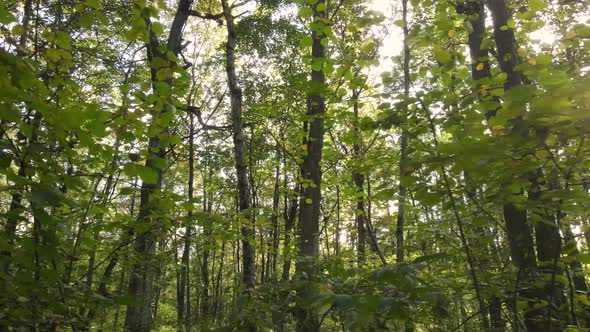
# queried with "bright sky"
point(393, 42)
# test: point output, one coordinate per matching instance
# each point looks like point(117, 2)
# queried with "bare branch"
point(208, 16)
point(197, 111)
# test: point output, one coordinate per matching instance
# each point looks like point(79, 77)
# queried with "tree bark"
point(184, 291)
point(359, 179)
point(141, 280)
point(480, 69)
point(518, 230)
point(290, 215)
point(275, 219)
point(337, 232)
point(403, 159)
point(310, 201)
point(244, 189)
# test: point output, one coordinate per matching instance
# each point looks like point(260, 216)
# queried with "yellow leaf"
point(451, 33)
point(532, 61)
point(479, 66)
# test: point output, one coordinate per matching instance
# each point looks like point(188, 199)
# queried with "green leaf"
point(157, 28)
point(130, 169)
point(9, 113)
point(45, 197)
point(162, 88)
point(305, 12)
point(511, 24)
point(62, 40)
point(536, 5)
point(584, 258)
point(94, 4)
point(6, 16)
point(544, 59)
point(441, 55)
point(147, 174)
point(306, 41)
point(86, 20)
point(322, 7)
point(164, 74)
point(316, 64)
point(386, 194)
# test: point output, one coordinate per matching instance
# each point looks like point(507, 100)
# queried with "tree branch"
point(208, 16)
point(197, 111)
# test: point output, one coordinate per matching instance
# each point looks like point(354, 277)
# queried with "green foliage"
point(91, 122)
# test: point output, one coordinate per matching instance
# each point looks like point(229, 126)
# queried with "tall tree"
point(311, 173)
point(244, 189)
point(141, 280)
point(403, 159)
point(548, 240)
point(480, 70)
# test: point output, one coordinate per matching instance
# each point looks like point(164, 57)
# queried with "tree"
point(162, 64)
point(358, 166)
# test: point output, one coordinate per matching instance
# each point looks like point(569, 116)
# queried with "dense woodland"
point(294, 165)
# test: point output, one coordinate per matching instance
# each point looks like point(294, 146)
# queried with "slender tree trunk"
point(337, 233)
point(518, 230)
point(184, 291)
point(359, 179)
point(217, 290)
point(275, 218)
point(401, 210)
point(480, 69)
point(141, 280)
point(208, 240)
point(104, 197)
point(292, 212)
point(310, 201)
point(403, 153)
point(548, 243)
point(290, 216)
point(16, 208)
point(244, 189)
point(205, 300)
point(577, 275)
point(471, 260)
point(27, 13)
point(371, 233)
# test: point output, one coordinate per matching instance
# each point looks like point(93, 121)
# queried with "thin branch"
point(208, 16)
point(197, 111)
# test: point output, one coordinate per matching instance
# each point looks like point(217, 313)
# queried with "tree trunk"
point(401, 210)
point(518, 230)
point(337, 231)
point(480, 69)
point(359, 179)
point(184, 291)
point(244, 189)
point(141, 280)
point(310, 201)
point(290, 215)
point(275, 218)
point(548, 243)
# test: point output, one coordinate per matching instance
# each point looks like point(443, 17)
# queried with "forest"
point(295, 165)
